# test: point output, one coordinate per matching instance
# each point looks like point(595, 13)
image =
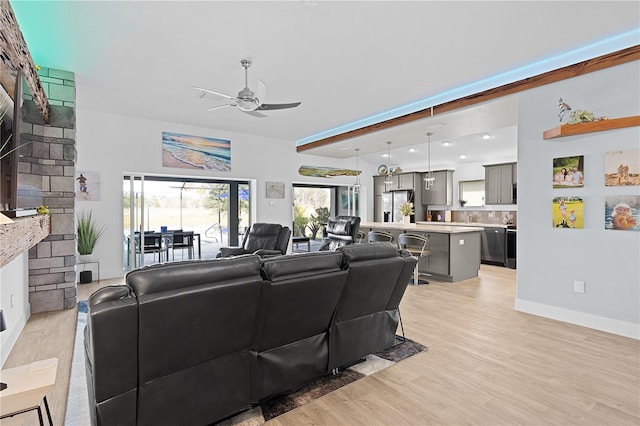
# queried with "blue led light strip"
point(599, 48)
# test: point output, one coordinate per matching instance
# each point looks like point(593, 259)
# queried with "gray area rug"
point(78, 400)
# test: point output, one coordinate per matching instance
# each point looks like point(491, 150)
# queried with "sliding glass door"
point(167, 218)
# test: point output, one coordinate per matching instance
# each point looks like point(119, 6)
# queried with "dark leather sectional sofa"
point(197, 341)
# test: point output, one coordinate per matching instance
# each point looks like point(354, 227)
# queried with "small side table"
point(27, 387)
point(295, 241)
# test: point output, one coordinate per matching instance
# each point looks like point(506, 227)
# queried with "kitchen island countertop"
point(422, 227)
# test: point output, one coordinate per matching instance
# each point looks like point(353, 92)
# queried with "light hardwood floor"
point(486, 365)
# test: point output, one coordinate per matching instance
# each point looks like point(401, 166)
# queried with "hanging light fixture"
point(356, 184)
point(429, 178)
point(387, 179)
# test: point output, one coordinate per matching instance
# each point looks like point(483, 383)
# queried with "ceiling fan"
point(247, 101)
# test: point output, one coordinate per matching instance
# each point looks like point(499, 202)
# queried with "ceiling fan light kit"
point(247, 101)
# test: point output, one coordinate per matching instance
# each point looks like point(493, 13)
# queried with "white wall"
point(14, 301)
point(113, 144)
point(550, 259)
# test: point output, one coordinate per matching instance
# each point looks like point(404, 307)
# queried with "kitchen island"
point(455, 250)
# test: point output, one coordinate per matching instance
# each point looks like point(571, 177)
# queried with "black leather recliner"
point(299, 296)
point(263, 239)
point(341, 232)
point(367, 316)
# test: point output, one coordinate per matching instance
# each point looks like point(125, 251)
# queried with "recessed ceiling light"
point(344, 148)
point(412, 150)
point(385, 155)
point(486, 136)
point(446, 143)
point(462, 156)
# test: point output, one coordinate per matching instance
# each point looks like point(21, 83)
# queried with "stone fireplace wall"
point(47, 166)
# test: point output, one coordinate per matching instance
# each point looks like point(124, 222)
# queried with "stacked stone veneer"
point(46, 172)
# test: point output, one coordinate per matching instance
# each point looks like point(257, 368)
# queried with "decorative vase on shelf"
point(406, 219)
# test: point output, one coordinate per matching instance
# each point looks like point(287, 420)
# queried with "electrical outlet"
point(578, 286)
point(11, 299)
point(461, 242)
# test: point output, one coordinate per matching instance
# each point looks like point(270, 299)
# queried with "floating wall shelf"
point(594, 126)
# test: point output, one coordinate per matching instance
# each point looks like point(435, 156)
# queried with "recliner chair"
point(263, 239)
point(341, 232)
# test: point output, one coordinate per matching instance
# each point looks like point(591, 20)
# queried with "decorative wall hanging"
point(568, 212)
point(87, 186)
point(326, 172)
point(195, 152)
point(622, 168)
point(622, 212)
point(568, 172)
point(275, 189)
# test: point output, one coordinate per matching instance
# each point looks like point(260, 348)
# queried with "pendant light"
point(387, 179)
point(356, 184)
point(429, 178)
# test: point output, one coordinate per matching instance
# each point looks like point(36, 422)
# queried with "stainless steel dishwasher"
point(493, 246)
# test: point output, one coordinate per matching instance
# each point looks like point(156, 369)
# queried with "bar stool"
point(379, 237)
point(418, 246)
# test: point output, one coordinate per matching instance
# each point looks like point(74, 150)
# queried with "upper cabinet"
point(403, 182)
point(500, 183)
point(441, 192)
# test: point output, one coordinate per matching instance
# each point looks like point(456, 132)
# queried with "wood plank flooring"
point(486, 365)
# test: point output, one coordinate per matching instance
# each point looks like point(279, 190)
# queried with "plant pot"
point(86, 258)
point(406, 220)
point(86, 277)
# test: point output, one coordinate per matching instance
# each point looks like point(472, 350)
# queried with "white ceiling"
point(342, 60)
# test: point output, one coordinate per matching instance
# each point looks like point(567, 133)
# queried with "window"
point(472, 192)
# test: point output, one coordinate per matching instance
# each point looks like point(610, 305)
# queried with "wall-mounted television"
point(10, 89)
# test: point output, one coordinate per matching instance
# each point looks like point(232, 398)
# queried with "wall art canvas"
point(622, 167)
point(87, 186)
point(568, 212)
point(622, 212)
point(568, 172)
point(195, 152)
point(326, 172)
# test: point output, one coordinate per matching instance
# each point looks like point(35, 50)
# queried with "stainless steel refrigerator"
point(391, 204)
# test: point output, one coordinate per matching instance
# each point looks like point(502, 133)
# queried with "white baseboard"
point(596, 322)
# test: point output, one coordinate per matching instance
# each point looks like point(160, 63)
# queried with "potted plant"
point(88, 234)
point(406, 210)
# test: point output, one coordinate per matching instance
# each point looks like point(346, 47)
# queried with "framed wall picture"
point(568, 172)
point(568, 212)
point(87, 186)
point(622, 167)
point(275, 189)
point(622, 212)
point(195, 152)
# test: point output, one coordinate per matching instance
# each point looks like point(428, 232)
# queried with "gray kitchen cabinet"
point(441, 192)
point(406, 181)
point(499, 181)
point(438, 261)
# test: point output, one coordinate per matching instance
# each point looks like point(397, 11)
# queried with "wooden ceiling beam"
point(595, 64)
point(14, 49)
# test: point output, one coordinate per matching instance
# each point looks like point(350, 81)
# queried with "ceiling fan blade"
point(265, 107)
point(221, 106)
point(255, 114)
point(215, 93)
point(261, 92)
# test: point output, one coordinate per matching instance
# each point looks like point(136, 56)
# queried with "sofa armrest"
point(232, 251)
point(267, 253)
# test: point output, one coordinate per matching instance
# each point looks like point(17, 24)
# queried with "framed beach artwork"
point(195, 152)
point(568, 212)
point(87, 186)
point(622, 167)
point(568, 172)
point(622, 212)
